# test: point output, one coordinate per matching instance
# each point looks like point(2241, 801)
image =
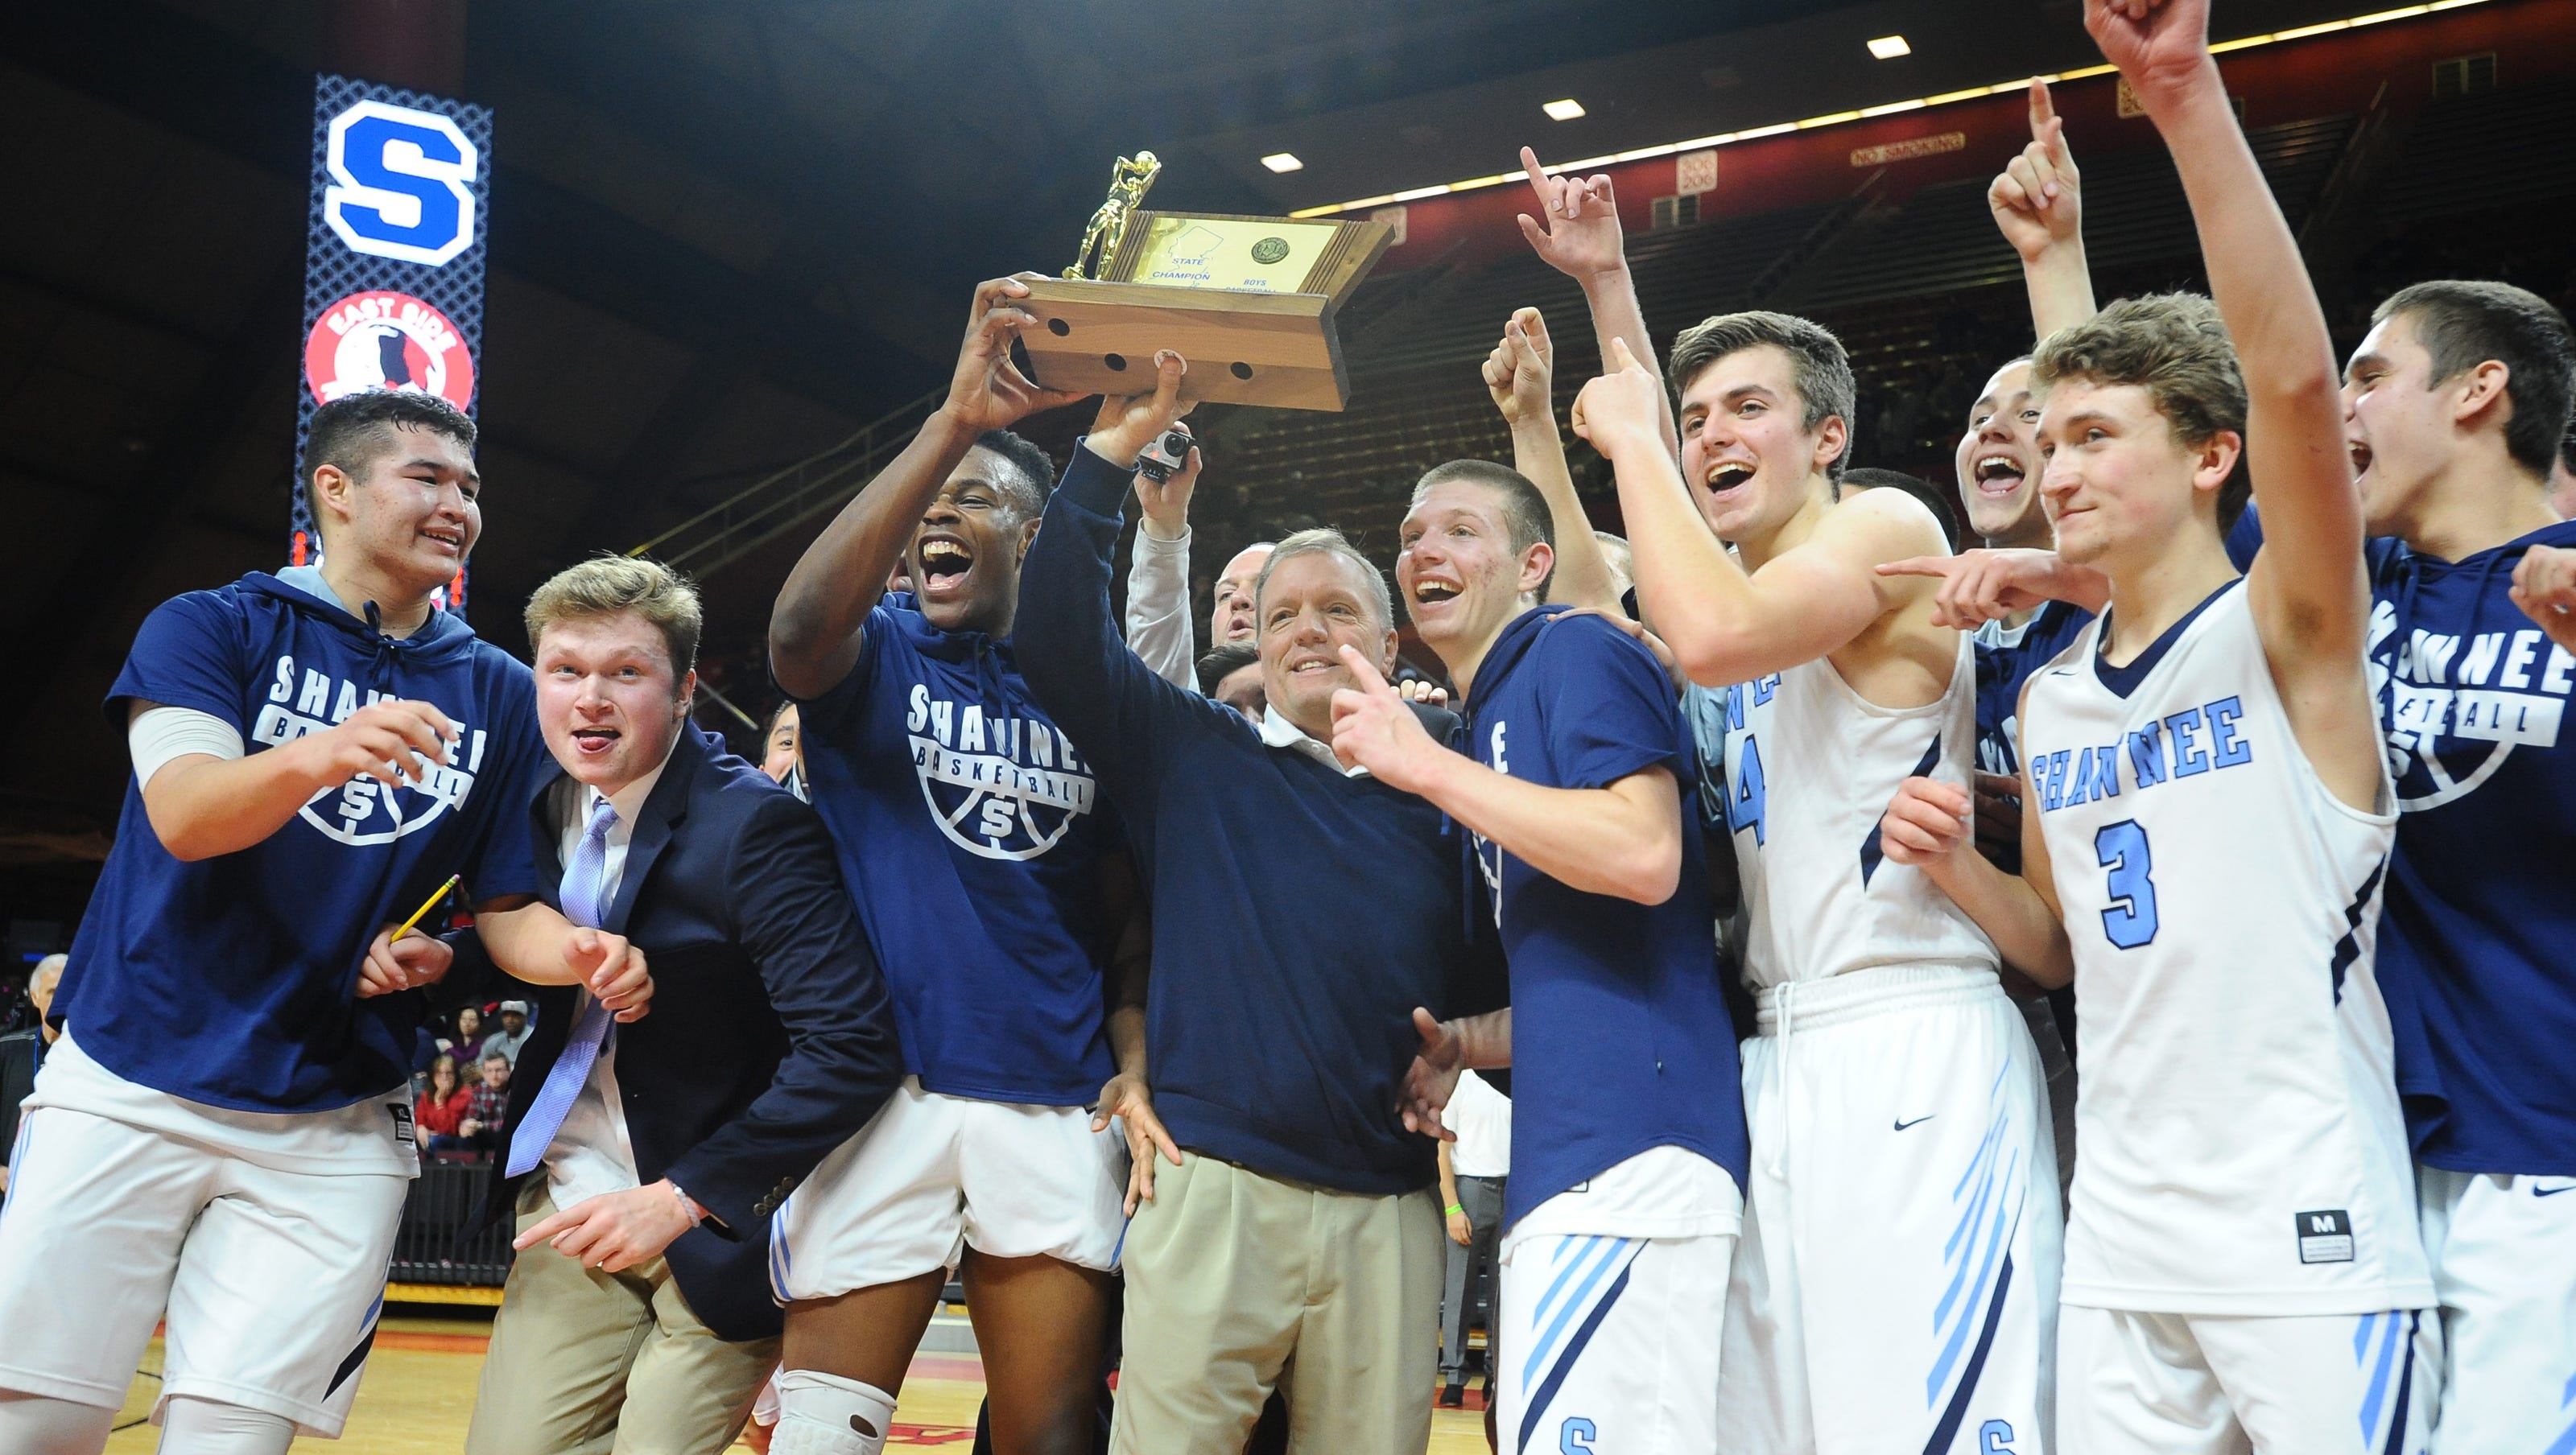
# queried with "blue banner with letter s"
point(393, 259)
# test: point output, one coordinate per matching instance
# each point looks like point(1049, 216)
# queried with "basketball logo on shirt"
point(998, 787)
point(361, 811)
point(2456, 707)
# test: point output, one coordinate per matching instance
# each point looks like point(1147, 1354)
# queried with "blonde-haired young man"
point(644, 1160)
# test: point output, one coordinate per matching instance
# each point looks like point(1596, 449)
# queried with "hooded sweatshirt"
point(1621, 1041)
point(230, 982)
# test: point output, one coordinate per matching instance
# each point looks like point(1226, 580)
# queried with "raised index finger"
point(2043, 110)
point(1936, 566)
point(1538, 178)
point(1372, 680)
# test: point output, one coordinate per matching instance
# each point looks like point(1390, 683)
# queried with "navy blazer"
point(770, 1039)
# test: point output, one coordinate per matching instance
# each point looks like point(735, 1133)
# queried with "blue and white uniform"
point(1628, 1145)
point(224, 1129)
point(1896, 1286)
point(970, 832)
point(2242, 1262)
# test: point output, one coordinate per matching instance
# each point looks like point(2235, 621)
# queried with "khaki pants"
point(585, 1363)
point(1237, 1282)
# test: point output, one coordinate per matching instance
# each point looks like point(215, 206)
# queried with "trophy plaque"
point(1249, 301)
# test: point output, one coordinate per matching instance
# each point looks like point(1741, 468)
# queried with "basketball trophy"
point(1249, 301)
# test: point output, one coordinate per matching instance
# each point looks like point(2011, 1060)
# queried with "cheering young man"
point(224, 1130)
point(1628, 1147)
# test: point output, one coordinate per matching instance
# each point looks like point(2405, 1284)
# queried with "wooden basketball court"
point(419, 1391)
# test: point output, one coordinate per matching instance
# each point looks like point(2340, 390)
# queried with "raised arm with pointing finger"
point(1519, 374)
point(2038, 205)
point(1577, 232)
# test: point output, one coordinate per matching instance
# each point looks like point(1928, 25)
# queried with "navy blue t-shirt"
point(231, 981)
point(1621, 1041)
point(970, 833)
point(2005, 660)
point(2477, 943)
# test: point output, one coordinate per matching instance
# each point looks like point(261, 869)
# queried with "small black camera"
point(1166, 455)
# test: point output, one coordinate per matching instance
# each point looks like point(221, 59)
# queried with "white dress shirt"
point(1278, 732)
point(591, 1154)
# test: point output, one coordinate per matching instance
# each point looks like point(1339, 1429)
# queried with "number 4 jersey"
point(2239, 1145)
point(1803, 768)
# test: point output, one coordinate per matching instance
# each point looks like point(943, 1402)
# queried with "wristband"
point(1453, 1210)
point(688, 1209)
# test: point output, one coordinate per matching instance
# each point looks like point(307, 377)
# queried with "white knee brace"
point(824, 1414)
point(192, 1426)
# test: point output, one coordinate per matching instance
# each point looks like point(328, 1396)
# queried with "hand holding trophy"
point(1249, 301)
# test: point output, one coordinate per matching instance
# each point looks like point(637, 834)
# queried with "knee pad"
point(39, 1424)
point(193, 1426)
point(825, 1414)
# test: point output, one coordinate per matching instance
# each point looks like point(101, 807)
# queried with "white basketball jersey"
point(2239, 1148)
point(1809, 766)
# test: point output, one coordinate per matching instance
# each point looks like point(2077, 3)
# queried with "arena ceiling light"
point(1565, 110)
point(1889, 47)
point(1282, 162)
point(1972, 93)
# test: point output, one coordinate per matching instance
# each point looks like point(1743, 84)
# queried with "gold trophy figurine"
point(1128, 182)
point(1249, 301)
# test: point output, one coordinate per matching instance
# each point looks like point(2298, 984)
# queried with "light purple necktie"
point(571, 1071)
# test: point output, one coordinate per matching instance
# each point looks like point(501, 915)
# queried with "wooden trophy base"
point(1277, 349)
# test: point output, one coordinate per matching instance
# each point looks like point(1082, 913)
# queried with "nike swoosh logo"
point(2539, 1191)
point(1918, 1121)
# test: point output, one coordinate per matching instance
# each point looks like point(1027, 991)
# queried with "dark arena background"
point(723, 252)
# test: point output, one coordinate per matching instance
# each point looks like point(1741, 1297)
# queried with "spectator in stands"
point(21, 1052)
point(513, 1034)
point(487, 1111)
point(467, 1044)
point(1232, 675)
point(1472, 1173)
point(442, 1107)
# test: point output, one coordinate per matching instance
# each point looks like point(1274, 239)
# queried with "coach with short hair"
point(638, 1315)
point(1301, 913)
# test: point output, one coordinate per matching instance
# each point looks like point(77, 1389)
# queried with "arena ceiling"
point(723, 235)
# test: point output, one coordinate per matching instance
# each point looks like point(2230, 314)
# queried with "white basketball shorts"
point(931, 1175)
point(2213, 1384)
point(1896, 1286)
point(1611, 1294)
point(2504, 1266)
point(272, 1279)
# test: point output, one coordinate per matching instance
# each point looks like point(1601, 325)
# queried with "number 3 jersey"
point(1804, 768)
point(2239, 1148)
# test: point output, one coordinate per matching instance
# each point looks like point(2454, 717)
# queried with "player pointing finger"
point(1374, 726)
